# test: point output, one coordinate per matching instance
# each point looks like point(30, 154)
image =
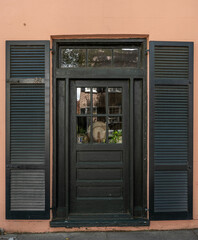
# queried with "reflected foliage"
point(99, 57)
point(73, 58)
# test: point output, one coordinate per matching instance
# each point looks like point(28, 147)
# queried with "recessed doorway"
point(99, 93)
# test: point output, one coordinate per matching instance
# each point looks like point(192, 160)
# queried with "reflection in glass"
point(73, 58)
point(83, 101)
point(99, 129)
point(115, 100)
point(99, 57)
point(115, 129)
point(83, 126)
point(98, 98)
point(125, 57)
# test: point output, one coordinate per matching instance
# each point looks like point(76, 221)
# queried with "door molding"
point(65, 75)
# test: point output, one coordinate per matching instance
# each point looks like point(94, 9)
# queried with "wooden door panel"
point(99, 191)
point(98, 206)
point(99, 156)
point(99, 174)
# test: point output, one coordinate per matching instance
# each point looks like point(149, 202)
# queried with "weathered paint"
point(43, 20)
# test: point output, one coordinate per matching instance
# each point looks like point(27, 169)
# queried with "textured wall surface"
point(43, 19)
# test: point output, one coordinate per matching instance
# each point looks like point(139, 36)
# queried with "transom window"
point(99, 57)
point(99, 115)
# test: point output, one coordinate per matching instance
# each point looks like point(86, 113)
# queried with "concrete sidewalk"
point(143, 235)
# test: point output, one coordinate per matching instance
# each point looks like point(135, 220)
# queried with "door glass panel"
point(92, 102)
point(99, 129)
point(83, 100)
point(115, 100)
point(115, 129)
point(73, 58)
point(99, 57)
point(83, 129)
point(125, 57)
point(99, 100)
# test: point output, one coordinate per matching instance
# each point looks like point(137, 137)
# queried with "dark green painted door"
point(99, 140)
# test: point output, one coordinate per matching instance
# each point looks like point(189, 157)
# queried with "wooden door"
point(99, 147)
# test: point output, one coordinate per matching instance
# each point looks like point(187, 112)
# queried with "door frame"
point(60, 216)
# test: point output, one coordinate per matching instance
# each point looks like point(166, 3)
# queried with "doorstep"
point(99, 223)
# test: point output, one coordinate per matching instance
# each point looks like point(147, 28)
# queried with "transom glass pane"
point(125, 57)
point(71, 58)
point(99, 57)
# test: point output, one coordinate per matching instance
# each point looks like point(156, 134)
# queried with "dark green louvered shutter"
point(171, 130)
point(27, 130)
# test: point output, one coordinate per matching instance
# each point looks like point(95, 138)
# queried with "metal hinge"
point(147, 51)
point(146, 209)
point(52, 51)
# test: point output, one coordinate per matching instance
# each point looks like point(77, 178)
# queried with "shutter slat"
point(27, 190)
point(171, 62)
point(23, 59)
point(171, 191)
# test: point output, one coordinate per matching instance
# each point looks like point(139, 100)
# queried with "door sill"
point(70, 223)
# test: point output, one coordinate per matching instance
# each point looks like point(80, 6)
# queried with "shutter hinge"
point(146, 209)
point(52, 51)
point(147, 51)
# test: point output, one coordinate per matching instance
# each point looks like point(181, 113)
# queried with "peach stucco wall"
point(169, 20)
